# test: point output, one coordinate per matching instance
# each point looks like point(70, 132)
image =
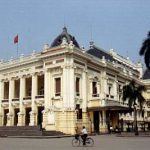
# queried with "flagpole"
point(17, 44)
point(17, 49)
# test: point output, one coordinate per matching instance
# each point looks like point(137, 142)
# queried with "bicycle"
point(77, 140)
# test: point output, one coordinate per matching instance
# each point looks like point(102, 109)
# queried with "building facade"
point(64, 87)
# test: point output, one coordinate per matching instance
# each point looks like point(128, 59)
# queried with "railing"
point(5, 101)
point(77, 94)
point(39, 96)
point(109, 96)
point(15, 99)
point(27, 98)
point(113, 102)
point(57, 94)
point(95, 95)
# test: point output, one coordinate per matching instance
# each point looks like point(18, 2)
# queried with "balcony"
point(39, 99)
point(39, 96)
point(109, 96)
point(95, 95)
point(5, 102)
point(113, 102)
point(27, 100)
point(15, 102)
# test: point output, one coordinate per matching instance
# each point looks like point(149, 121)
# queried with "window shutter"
point(77, 86)
point(58, 86)
point(94, 89)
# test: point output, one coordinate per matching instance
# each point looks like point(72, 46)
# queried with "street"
point(102, 142)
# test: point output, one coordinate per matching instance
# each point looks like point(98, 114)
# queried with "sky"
point(121, 25)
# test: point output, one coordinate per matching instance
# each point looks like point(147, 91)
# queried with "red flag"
point(16, 39)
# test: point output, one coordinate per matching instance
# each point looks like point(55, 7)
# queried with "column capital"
point(46, 70)
point(26, 75)
point(39, 73)
point(15, 78)
point(5, 80)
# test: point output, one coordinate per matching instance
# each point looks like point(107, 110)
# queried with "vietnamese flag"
point(16, 39)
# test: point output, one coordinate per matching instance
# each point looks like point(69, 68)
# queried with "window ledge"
point(57, 98)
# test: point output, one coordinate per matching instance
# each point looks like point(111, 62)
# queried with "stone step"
point(52, 133)
point(20, 128)
point(20, 131)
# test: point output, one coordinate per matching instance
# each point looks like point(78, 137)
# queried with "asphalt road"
point(102, 142)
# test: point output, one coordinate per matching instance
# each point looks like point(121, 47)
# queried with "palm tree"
point(133, 94)
point(145, 50)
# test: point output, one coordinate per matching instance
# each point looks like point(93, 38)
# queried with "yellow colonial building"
point(65, 86)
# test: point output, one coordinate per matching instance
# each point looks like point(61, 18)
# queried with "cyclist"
point(84, 135)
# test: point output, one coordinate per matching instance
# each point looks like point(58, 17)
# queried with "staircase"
point(27, 131)
point(20, 131)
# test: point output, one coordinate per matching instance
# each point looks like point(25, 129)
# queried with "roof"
point(146, 74)
point(58, 40)
point(99, 53)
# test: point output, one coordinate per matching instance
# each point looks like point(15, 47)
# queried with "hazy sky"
point(118, 24)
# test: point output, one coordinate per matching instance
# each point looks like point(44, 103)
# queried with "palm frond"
point(142, 49)
point(147, 59)
point(133, 94)
point(141, 88)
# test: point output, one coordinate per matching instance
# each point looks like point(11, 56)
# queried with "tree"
point(145, 50)
point(133, 95)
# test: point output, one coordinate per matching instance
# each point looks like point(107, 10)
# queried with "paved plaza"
point(102, 142)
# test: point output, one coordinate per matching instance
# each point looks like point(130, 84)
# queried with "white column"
point(47, 90)
point(34, 90)
point(68, 86)
point(104, 85)
point(1, 90)
point(47, 98)
point(98, 88)
point(1, 97)
point(21, 114)
point(71, 87)
point(34, 93)
point(115, 90)
point(104, 125)
point(11, 96)
point(22, 92)
point(1, 94)
point(65, 89)
point(84, 90)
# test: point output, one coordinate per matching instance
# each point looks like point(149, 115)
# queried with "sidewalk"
point(43, 136)
point(132, 134)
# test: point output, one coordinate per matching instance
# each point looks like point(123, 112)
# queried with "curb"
point(38, 137)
